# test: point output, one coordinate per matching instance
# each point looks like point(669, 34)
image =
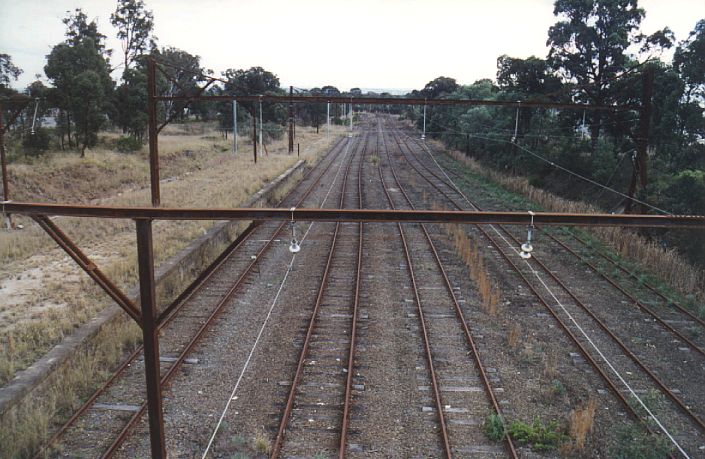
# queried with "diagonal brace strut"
point(88, 266)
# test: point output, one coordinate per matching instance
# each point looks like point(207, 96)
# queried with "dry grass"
point(581, 422)
point(30, 327)
point(513, 335)
point(550, 365)
point(261, 444)
point(220, 181)
point(666, 264)
point(468, 251)
point(26, 425)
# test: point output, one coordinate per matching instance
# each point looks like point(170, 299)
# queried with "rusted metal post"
point(3, 160)
point(152, 121)
point(291, 120)
point(150, 334)
point(254, 134)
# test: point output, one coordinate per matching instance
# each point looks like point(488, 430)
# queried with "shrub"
point(539, 436)
point(581, 422)
point(36, 143)
point(633, 442)
point(494, 427)
point(128, 144)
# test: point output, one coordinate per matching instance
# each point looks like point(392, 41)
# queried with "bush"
point(37, 143)
point(633, 442)
point(272, 131)
point(128, 144)
point(494, 427)
point(540, 437)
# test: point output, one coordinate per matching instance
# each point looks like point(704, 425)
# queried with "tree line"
point(84, 97)
point(597, 54)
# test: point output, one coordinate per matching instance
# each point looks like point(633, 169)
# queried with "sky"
point(381, 44)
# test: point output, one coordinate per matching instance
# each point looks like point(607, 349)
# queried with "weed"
point(633, 442)
point(550, 365)
point(539, 436)
point(468, 251)
point(513, 335)
point(494, 427)
point(557, 387)
point(261, 444)
point(374, 159)
point(581, 422)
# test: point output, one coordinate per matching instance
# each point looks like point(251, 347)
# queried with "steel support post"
point(327, 119)
point(254, 134)
point(150, 334)
point(152, 120)
point(351, 117)
point(261, 126)
point(291, 121)
point(423, 134)
point(234, 127)
point(3, 160)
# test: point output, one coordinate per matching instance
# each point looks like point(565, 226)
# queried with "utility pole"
point(152, 120)
point(3, 159)
point(423, 135)
point(328, 119)
point(261, 126)
point(235, 126)
point(351, 118)
point(254, 134)
point(291, 120)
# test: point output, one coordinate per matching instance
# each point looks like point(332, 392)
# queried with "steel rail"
point(459, 313)
point(169, 313)
point(422, 321)
point(288, 408)
point(562, 324)
point(650, 287)
point(353, 331)
point(636, 301)
point(614, 263)
point(355, 215)
point(218, 308)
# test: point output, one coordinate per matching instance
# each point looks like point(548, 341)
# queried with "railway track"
point(613, 352)
point(102, 423)
point(460, 386)
point(373, 347)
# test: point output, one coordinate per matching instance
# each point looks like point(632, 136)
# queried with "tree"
point(79, 71)
point(255, 81)
point(588, 44)
point(439, 87)
point(689, 61)
point(78, 29)
point(8, 70)
point(135, 25)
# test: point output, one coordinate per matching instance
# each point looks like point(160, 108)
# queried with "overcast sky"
point(357, 43)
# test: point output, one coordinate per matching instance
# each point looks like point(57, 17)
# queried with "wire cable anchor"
point(294, 247)
point(527, 248)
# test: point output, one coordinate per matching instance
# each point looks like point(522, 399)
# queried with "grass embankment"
point(659, 266)
point(43, 294)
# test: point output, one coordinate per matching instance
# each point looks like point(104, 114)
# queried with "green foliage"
point(557, 387)
point(8, 71)
point(36, 143)
point(539, 436)
point(494, 427)
point(633, 442)
point(135, 25)
point(128, 144)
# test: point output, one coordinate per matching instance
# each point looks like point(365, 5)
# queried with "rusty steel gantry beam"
point(359, 215)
